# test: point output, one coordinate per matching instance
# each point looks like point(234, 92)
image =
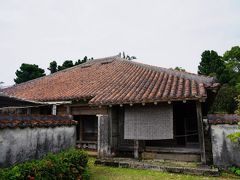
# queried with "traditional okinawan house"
point(124, 106)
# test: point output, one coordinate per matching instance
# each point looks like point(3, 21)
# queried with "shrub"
point(235, 170)
point(70, 164)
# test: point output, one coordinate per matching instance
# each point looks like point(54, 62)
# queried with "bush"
point(70, 164)
point(235, 170)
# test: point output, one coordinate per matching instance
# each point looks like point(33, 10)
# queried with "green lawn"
point(98, 172)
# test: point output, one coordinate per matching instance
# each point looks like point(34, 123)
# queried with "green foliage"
point(225, 100)
point(53, 67)
point(232, 57)
point(28, 72)
point(235, 170)
point(234, 137)
point(179, 69)
point(227, 71)
point(211, 64)
point(66, 64)
point(70, 164)
point(79, 61)
point(232, 61)
point(238, 105)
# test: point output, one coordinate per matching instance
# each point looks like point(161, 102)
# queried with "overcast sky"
point(166, 33)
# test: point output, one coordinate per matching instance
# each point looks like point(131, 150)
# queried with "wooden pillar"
point(54, 109)
point(103, 136)
point(201, 132)
point(80, 131)
point(68, 109)
point(110, 135)
point(28, 111)
point(136, 149)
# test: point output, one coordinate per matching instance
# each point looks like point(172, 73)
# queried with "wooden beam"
point(201, 132)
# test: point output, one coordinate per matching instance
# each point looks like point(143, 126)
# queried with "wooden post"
point(136, 149)
point(80, 131)
point(68, 109)
point(201, 132)
point(110, 127)
point(103, 136)
point(28, 111)
point(54, 109)
point(98, 137)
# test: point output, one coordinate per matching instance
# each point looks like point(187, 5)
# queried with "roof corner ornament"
point(119, 55)
point(169, 102)
point(155, 103)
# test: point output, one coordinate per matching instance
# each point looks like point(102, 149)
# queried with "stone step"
point(172, 156)
point(131, 163)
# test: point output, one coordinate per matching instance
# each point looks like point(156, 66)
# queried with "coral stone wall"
point(26, 137)
point(225, 152)
point(19, 145)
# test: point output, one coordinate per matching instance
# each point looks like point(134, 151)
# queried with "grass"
point(98, 172)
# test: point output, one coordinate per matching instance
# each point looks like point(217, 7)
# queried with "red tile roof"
point(24, 121)
point(115, 80)
point(223, 118)
point(8, 101)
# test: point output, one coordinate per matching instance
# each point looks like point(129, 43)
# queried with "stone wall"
point(26, 137)
point(225, 152)
point(19, 145)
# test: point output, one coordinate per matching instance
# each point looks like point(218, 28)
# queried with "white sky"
point(165, 33)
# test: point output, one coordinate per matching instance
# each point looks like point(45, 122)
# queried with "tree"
point(66, 64)
point(28, 72)
point(225, 100)
point(226, 69)
point(232, 57)
point(232, 61)
point(211, 64)
point(179, 69)
point(53, 67)
point(85, 59)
